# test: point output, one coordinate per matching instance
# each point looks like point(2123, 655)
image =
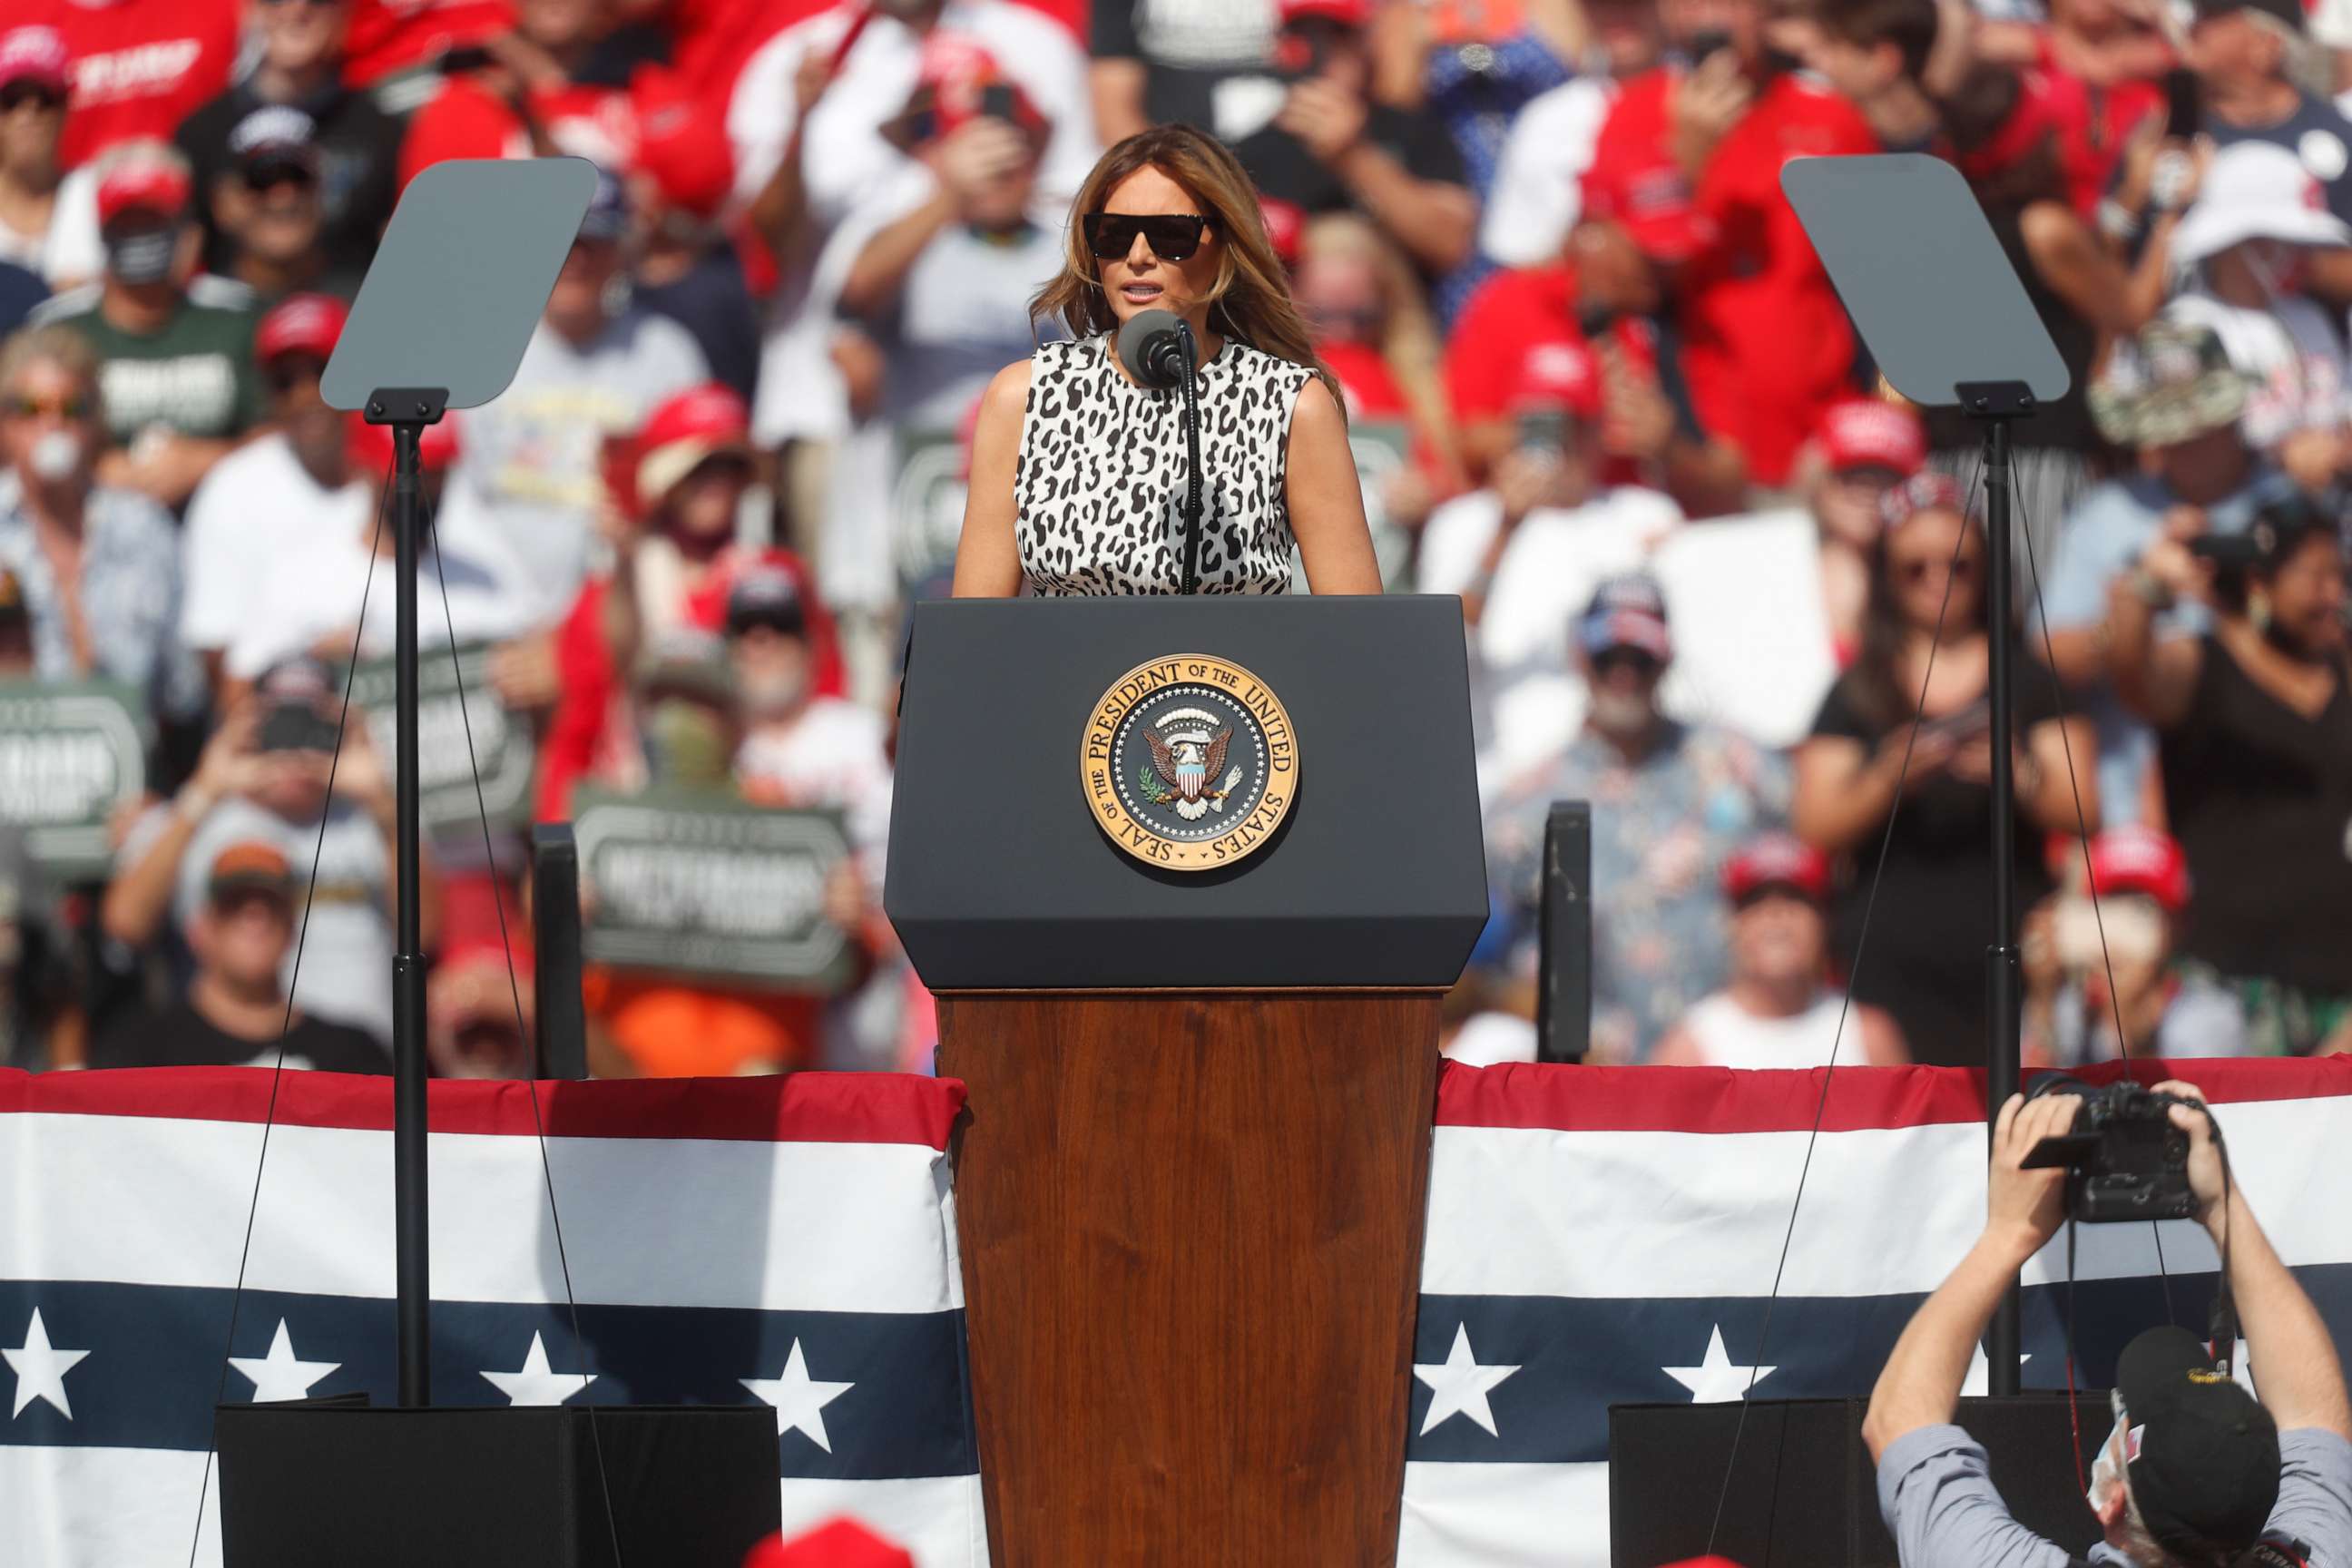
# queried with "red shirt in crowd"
point(464, 120)
point(1508, 325)
point(2095, 123)
point(1766, 343)
point(140, 67)
point(387, 37)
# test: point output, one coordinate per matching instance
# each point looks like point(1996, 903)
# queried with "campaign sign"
point(692, 882)
point(70, 753)
point(502, 744)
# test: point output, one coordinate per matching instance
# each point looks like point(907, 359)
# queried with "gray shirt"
point(1937, 1499)
point(346, 952)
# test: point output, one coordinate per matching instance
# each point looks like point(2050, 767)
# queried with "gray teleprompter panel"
point(460, 279)
point(1926, 283)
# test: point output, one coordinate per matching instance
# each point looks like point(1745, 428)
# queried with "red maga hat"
point(34, 54)
point(300, 324)
point(697, 424)
point(1866, 433)
point(2137, 859)
point(1777, 860)
point(147, 184)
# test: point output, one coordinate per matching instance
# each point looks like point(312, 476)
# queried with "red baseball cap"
point(836, 1543)
point(2038, 112)
point(300, 324)
point(1559, 374)
point(1865, 432)
point(1347, 12)
point(2137, 859)
point(34, 54)
point(695, 425)
point(1777, 860)
point(142, 183)
point(951, 77)
point(1650, 197)
point(683, 150)
point(1285, 226)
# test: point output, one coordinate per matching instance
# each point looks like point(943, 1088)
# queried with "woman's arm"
point(1321, 488)
point(988, 556)
point(2156, 677)
point(2085, 274)
point(1845, 789)
point(2065, 757)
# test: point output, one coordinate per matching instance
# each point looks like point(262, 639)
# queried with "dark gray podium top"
point(1001, 878)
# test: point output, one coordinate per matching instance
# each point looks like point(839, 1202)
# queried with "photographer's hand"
point(2288, 1346)
point(2024, 1208)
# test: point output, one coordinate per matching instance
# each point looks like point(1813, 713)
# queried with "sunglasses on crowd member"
point(1964, 568)
point(290, 371)
point(264, 178)
point(1173, 236)
point(68, 405)
point(1609, 659)
point(17, 94)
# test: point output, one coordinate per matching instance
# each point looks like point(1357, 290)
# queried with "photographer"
point(2194, 1472)
point(2254, 736)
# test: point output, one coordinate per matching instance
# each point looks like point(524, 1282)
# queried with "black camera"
point(2124, 1160)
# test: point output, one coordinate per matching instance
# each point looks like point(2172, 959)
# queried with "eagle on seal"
point(1186, 763)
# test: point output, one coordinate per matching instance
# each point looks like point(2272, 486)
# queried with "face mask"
point(56, 456)
point(1620, 712)
point(685, 743)
point(2108, 1472)
point(143, 258)
point(770, 693)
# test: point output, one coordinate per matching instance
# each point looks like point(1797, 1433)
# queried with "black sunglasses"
point(289, 371)
point(17, 94)
point(1173, 236)
point(1634, 658)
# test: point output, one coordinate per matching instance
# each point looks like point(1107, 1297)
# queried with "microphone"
point(1152, 346)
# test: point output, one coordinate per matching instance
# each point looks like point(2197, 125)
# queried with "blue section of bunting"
point(153, 1363)
point(1575, 1358)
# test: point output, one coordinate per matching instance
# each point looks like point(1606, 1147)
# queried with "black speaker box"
point(1804, 1494)
point(302, 1486)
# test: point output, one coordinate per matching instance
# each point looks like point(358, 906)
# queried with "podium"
point(1189, 877)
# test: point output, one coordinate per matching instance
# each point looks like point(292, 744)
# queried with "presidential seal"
point(1189, 762)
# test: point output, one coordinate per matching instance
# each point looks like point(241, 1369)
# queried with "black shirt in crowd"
point(359, 168)
point(1924, 961)
point(1193, 52)
point(1287, 172)
point(181, 1037)
point(2260, 799)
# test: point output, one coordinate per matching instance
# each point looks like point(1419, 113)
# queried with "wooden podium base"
point(1191, 1225)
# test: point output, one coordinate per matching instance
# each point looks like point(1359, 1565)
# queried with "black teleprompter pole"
point(1997, 404)
point(408, 411)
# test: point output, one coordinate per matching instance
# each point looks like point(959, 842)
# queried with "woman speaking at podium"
point(1079, 469)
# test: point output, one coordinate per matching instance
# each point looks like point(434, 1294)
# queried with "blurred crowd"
point(1720, 580)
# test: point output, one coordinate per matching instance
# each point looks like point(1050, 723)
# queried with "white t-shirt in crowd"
point(844, 158)
point(1729, 1036)
point(2330, 24)
point(2292, 354)
point(312, 591)
point(529, 468)
point(69, 251)
point(1538, 192)
point(830, 757)
point(256, 506)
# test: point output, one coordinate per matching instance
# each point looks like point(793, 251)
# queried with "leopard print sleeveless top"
point(1100, 485)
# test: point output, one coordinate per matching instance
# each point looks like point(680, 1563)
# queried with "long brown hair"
point(1251, 295)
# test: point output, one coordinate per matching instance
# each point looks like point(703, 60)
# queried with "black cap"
point(766, 596)
point(2204, 1455)
point(2289, 12)
point(300, 680)
point(275, 137)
